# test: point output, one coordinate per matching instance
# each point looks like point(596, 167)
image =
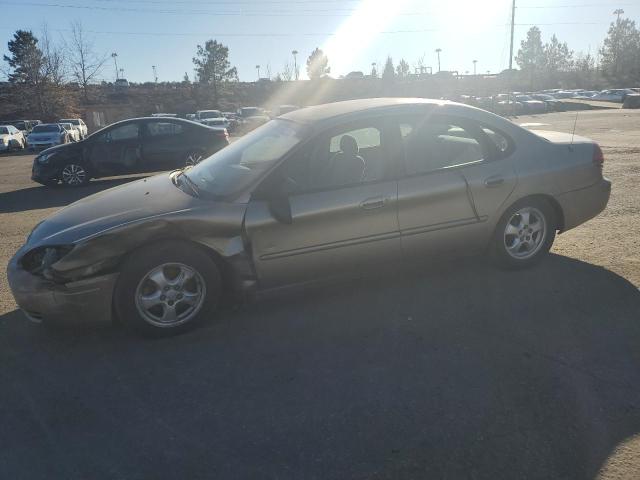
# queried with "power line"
point(285, 34)
point(328, 12)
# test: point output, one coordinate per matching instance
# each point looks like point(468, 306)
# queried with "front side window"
point(124, 132)
point(347, 155)
point(432, 143)
point(244, 161)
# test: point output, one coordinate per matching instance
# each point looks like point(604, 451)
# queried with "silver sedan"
point(319, 192)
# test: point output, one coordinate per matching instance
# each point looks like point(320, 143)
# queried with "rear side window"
point(432, 144)
point(157, 129)
point(498, 139)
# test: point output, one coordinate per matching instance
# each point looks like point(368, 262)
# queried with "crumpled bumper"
point(74, 302)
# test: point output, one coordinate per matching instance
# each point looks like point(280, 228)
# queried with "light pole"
point(114, 55)
point(295, 63)
point(438, 50)
point(475, 62)
point(122, 73)
point(258, 69)
point(155, 73)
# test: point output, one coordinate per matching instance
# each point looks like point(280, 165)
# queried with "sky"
point(353, 33)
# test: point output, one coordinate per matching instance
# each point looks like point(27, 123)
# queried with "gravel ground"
point(462, 371)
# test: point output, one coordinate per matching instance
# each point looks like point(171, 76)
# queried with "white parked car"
point(615, 95)
point(74, 133)
point(11, 138)
point(47, 135)
point(77, 122)
point(206, 114)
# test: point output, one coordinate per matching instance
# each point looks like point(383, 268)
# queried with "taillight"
point(598, 156)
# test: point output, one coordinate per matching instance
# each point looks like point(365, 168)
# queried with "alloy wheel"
point(525, 233)
point(73, 174)
point(170, 295)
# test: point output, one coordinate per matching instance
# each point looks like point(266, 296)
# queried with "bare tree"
point(55, 62)
point(287, 72)
point(85, 63)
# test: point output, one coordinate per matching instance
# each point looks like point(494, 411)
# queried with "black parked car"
point(131, 146)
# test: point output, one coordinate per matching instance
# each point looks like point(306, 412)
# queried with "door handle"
point(493, 182)
point(373, 203)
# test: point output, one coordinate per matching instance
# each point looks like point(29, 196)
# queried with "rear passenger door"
point(444, 161)
point(164, 145)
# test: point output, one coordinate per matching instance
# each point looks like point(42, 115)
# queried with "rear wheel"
point(524, 234)
point(74, 175)
point(167, 289)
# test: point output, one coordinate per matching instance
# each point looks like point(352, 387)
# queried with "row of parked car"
point(519, 103)
point(20, 134)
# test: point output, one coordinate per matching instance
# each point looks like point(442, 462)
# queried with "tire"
point(74, 175)
point(524, 234)
point(150, 298)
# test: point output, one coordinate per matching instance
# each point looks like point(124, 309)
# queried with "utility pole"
point(618, 12)
point(155, 73)
point(513, 19)
point(258, 69)
point(114, 55)
point(438, 50)
point(475, 62)
point(122, 73)
point(295, 63)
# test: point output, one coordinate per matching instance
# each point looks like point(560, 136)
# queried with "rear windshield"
point(4, 130)
point(46, 128)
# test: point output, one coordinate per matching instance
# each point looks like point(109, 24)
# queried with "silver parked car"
point(318, 192)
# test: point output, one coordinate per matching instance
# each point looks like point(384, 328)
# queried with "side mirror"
point(273, 191)
point(280, 208)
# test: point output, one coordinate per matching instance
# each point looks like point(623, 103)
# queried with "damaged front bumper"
point(78, 301)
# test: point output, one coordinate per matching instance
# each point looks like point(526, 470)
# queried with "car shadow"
point(37, 197)
point(442, 371)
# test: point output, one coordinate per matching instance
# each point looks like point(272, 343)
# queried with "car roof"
point(319, 113)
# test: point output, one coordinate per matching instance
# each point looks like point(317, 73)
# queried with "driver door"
point(333, 227)
point(117, 151)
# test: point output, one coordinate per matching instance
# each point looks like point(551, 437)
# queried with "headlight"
point(44, 159)
point(38, 260)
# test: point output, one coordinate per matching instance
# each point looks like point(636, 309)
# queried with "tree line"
point(618, 59)
point(39, 69)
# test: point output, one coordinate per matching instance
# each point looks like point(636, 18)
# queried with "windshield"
point(210, 114)
point(524, 98)
point(245, 160)
point(250, 111)
point(46, 128)
point(70, 120)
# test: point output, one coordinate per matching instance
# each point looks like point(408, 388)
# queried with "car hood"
point(133, 202)
point(63, 148)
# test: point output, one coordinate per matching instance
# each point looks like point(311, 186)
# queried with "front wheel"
point(74, 175)
point(524, 234)
point(167, 289)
